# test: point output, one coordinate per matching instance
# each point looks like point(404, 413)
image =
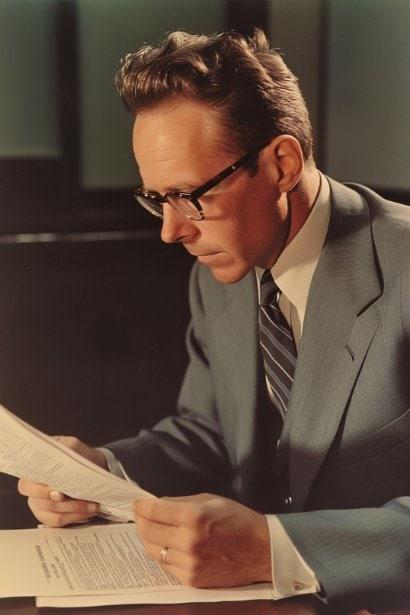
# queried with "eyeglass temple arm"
point(225, 173)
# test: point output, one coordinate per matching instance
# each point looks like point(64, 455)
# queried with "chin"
point(229, 275)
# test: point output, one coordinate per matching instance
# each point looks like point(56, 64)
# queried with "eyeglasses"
point(187, 203)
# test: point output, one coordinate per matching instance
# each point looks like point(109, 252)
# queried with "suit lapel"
point(236, 338)
point(338, 329)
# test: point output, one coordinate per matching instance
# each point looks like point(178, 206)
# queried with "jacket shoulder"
point(394, 217)
point(211, 296)
point(389, 221)
point(390, 228)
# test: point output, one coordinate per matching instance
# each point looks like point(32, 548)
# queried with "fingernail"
point(57, 496)
point(92, 508)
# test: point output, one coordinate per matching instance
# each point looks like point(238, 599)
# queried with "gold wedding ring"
point(164, 551)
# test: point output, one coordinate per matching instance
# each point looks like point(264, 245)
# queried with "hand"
point(53, 508)
point(212, 541)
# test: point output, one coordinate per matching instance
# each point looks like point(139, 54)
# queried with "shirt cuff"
point(114, 466)
point(291, 575)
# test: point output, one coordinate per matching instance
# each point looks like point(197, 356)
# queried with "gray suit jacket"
point(340, 476)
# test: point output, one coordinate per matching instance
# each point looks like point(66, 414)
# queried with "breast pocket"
point(382, 440)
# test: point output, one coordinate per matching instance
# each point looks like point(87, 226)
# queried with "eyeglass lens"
point(179, 204)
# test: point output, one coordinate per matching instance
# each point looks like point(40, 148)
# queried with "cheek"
point(255, 229)
point(242, 227)
point(223, 229)
point(236, 237)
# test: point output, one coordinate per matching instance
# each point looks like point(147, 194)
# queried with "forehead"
point(181, 133)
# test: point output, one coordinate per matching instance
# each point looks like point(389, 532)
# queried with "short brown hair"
point(248, 83)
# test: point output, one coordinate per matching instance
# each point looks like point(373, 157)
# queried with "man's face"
point(178, 147)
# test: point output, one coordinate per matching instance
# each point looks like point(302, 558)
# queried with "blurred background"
point(93, 308)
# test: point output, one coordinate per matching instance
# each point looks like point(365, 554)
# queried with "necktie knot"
point(269, 291)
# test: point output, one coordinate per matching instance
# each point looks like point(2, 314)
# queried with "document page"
point(28, 453)
point(94, 564)
point(180, 595)
point(94, 559)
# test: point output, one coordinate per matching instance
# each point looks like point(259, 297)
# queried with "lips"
point(201, 253)
point(209, 259)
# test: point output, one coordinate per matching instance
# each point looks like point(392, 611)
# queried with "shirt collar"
point(294, 269)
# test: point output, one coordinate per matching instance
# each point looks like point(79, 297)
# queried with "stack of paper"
point(89, 565)
point(28, 453)
point(95, 565)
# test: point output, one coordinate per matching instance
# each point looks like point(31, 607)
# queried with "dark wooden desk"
point(14, 514)
point(260, 607)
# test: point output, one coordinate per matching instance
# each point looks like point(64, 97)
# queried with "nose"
point(176, 228)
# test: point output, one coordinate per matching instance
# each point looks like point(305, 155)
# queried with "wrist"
point(263, 564)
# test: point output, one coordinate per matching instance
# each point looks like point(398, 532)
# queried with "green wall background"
point(108, 30)
point(368, 92)
point(28, 115)
point(366, 111)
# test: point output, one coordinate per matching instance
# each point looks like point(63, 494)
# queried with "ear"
point(287, 157)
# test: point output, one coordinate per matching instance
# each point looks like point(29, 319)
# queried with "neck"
point(301, 201)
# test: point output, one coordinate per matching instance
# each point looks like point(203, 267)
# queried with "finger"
point(75, 444)
point(167, 511)
point(57, 496)
point(198, 497)
point(39, 491)
point(173, 559)
point(177, 564)
point(52, 519)
point(31, 489)
point(159, 533)
point(67, 506)
point(178, 573)
point(92, 454)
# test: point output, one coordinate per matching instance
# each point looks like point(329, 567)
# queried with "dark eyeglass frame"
point(194, 196)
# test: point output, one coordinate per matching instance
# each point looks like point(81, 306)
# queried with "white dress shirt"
point(292, 272)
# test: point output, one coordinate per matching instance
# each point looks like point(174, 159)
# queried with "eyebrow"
point(184, 187)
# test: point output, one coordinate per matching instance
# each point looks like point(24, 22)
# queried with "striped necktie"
point(277, 344)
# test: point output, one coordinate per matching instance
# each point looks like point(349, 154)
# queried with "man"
point(295, 401)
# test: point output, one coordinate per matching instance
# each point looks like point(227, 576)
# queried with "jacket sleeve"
point(183, 454)
point(361, 556)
